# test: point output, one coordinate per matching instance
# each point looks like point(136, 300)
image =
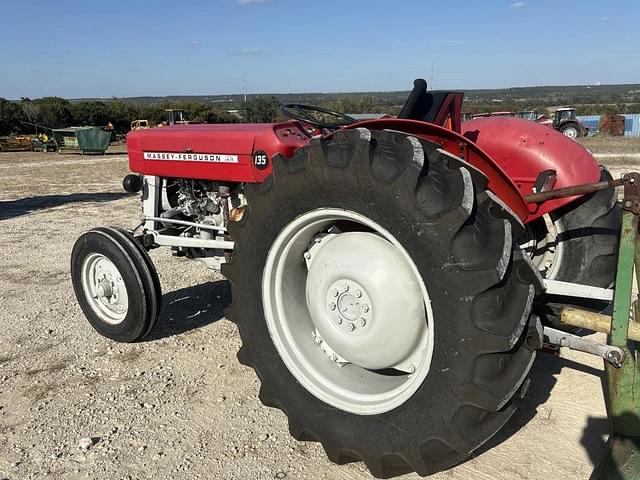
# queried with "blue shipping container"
point(591, 122)
point(632, 125)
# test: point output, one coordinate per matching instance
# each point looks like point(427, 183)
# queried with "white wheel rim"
point(571, 132)
point(334, 330)
point(104, 288)
point(546, 252)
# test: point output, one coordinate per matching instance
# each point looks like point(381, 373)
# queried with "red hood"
point(218, 152)
point(236, 138)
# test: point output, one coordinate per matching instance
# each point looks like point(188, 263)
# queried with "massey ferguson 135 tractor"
point(392, 279)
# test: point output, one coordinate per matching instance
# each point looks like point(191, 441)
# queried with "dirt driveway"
point(179, 405)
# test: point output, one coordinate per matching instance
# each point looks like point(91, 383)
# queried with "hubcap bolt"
point(307, 255)
point(332, 306)
point(362, 322)
point(335, 292)
point(345, 287)
point(352, 327)
point(339, 321)
point(358, 293)
point(365, 308)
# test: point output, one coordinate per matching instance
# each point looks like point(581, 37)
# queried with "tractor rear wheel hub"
point(364, 299)
point(349, 304)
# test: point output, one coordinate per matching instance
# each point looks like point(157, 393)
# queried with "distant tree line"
point(55, 112)
point(18, 117)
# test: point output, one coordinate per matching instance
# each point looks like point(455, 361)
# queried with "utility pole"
point(244, 88)
point(433, 75)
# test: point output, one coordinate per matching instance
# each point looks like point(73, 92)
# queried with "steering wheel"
point(303, 113)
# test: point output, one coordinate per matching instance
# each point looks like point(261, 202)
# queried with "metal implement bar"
point(597, 322)
point(568, 289)
point(573, 190)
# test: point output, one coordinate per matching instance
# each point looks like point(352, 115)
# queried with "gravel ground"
point(178, 404)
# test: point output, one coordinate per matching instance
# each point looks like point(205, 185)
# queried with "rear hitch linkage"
point(575, 317)
point(554, 338)
point(614, 355)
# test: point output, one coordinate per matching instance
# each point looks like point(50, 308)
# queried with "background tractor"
point(139, 125)
point(565, 121)
point(174, 116)
point(389, 276)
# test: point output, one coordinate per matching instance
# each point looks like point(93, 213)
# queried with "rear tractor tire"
point(579, 244)
point(382, 301)
point(116, 284)
point(571, 130)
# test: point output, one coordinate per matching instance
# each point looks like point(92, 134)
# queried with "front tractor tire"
point(115, 283)
point(382, 301)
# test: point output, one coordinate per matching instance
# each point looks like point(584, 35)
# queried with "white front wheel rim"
point(104, 288)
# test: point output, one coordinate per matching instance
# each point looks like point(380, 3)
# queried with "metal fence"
point(631, 123)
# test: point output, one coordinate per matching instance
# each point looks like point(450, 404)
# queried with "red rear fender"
point(456, 144)
point(523, 149)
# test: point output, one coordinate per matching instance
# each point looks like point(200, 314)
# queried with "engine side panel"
point(223, 152)
point(523, 149)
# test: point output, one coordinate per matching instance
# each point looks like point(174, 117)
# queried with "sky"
point(83, 48)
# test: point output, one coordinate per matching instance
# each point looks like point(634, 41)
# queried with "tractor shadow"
point(27, 205)
point(191, 308)
point(543, 377)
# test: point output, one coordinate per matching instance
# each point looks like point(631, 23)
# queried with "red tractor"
point(389, 276)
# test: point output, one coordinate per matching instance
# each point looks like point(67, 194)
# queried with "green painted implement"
point(82, 139)
point(622, 388)
point(623, 384)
